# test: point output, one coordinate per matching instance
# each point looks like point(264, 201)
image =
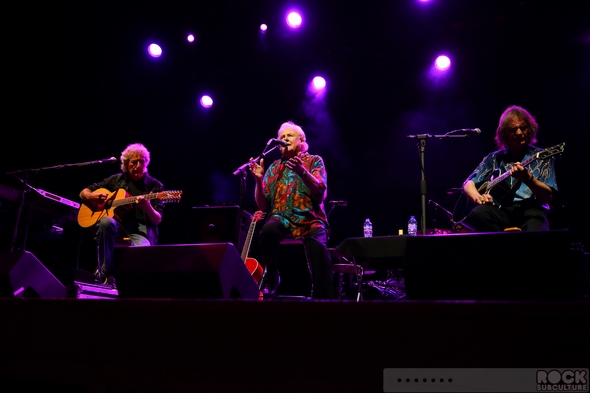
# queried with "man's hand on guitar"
point(143, 203)
point(520, 173)
point(96, 196)
point(484, 199)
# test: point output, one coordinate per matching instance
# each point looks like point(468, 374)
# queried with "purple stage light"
point(442, 63)
point(294, 20)
point(206, 102)
point(190, 38)
point(154, 50)
point(319, 83)
point(263, 27)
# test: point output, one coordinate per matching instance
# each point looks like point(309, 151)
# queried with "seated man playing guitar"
point(526, 183)
point(141, 217)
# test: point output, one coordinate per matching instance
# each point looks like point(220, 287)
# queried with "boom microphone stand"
point(27, 188)
point(242, 171)
point(422, 147)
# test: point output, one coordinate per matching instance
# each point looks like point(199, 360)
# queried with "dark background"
point(80, 86)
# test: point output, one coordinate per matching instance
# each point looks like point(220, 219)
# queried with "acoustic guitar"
point(116, 204)
point(464, 205)
point(252, 264)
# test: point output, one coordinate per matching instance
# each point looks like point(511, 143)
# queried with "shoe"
point(110, 281)
point(270, 288)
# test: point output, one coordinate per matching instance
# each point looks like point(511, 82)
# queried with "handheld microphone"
point(277, 141)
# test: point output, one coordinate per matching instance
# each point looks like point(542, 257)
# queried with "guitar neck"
point(505, 175)
point(130, 200)
point(248, 240)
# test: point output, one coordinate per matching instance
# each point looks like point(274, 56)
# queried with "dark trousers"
point(488, 218)
point(107, 231)
point(318, 257)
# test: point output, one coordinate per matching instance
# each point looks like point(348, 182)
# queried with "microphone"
point(105, 161)
point(471, 130)
point(277, 142)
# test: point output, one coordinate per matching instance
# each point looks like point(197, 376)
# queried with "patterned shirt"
point(290, 200)
point(543, 170)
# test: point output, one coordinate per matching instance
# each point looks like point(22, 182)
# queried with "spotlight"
point(190, 38)
point(319, 83)
point(206, 102)
point(263, 27)
point(154, 50)
point(294, 20)
point(442, 63)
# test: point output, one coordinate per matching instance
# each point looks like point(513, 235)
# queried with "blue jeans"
point(108, 230)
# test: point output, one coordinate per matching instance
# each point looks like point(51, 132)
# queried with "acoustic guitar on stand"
point(252, 264)
point(116, 204)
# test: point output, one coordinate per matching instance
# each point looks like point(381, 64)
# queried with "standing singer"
point(292, 191)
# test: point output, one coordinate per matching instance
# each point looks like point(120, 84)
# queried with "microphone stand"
point(422, 147)
point(243, 174)
point(27, 187)
point(60, 166)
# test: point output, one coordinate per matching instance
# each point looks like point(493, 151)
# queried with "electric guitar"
point(464, 205)
point(252, 264)
point(116, 204)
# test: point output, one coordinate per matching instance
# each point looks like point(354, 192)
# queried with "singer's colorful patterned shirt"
point(290, 200)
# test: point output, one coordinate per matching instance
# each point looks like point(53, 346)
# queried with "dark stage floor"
point(469, 305)
point(230, 345)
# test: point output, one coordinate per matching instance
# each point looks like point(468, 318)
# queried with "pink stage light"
point(294, 20)
point(442, 63)
point(154, 50)
point(206, 102)
point(263, 27)
point(319, 83)
point(190, 38)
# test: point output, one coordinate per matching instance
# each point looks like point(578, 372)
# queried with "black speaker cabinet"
point(23, 275)
point(183, 271)
point(491, 266)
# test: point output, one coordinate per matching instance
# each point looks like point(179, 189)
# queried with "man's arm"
point(471, 191)
point(87, 195)
point(145, 205)
point(542, 191)
point(314, 180)
point(257, 170)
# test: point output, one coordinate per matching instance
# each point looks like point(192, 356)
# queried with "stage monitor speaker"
point(183, 271)
point(218, 224)
point(491, 266)
point(22, 275)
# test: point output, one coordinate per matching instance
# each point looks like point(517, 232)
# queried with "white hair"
point(292, 126)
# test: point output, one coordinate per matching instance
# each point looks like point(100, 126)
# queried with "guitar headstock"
point(259, 215)
point(170, 196)
point(551, 151)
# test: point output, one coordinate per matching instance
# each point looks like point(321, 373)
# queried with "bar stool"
point(353, 271)
point(294, 270)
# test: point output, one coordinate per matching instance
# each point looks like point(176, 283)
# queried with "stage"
point(267, 346)
point(187, 318)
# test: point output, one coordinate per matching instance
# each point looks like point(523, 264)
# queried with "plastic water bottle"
point(412, 226)
point(368, 228)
